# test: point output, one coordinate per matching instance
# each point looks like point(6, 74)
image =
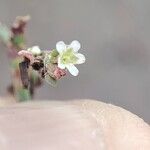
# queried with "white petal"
point(75, 45)
point(81, 58)
point(60, 46)
point(72, 69)
point(60, 65)
point(35, 50)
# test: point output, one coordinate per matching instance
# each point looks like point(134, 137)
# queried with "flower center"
point(68, 57)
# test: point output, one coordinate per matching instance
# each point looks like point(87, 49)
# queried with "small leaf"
point(23, 94)
point(5, 34)
point(34, 76)
point(54, 53)
point(18, 40)
point(46, 59)
point(51, 68)
point(53, 56)
point(50, 80)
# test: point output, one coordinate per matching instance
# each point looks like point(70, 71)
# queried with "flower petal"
point(75, 45)
point(72, 69)
point(60, 46)
point(60, 65)
point(81, 58)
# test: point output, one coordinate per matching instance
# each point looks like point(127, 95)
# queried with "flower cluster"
point(53, 65)
point(30, 65)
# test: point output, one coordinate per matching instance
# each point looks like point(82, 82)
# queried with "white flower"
point(35, 50)
point(69, 56)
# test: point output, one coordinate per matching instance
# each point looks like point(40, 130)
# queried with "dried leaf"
point(24, 73)
point(46, 59)
point(51, 68)
point(19, 24)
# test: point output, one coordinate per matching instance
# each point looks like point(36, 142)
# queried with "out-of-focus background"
point(115, 38)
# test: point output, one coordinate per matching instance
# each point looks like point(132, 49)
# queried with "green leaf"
point(51, 57)
point(54, 53)
point(50, 80)
point(18, 40)
point(23, 94)
point(5, 33)
point(34, 75)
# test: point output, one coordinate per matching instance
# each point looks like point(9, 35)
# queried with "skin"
point(70, 125)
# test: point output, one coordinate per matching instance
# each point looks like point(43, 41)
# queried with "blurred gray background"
point(115, 38)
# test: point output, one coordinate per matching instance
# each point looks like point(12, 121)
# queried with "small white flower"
point(35, 50)
point(69, 56)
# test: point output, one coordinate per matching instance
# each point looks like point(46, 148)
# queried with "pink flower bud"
point(58, 73)
point(26, 54)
